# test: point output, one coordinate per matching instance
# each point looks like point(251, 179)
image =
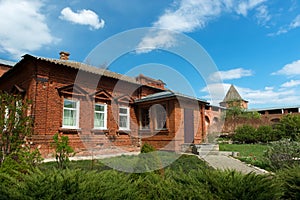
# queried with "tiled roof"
point(167, 94)
point(86, 68)
point(232, 95)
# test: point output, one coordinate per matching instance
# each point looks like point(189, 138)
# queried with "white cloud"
point(263, 15)
point(266, 97)
point(156, 40)
point(291, 83)
point(231, 74)
point(190, 15)
point(244, 6)
point(23, 27)
point(269, 88)
point(215, 92)
point(295, 23)
point(289, 69)
point(284, 29)
point(83, 17)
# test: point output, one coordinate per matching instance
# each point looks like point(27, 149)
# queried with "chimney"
point(64, 55)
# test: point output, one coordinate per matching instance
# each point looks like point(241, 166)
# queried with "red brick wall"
point(174, 136)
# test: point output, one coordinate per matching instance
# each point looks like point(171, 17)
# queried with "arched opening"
point(275, 120)
point(207, 121)
point(215, 120)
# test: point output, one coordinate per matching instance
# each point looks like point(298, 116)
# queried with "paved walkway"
point(224, 162)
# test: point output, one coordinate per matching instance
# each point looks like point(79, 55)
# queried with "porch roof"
point(168, 94)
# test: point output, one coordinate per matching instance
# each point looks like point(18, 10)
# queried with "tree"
point(289, 126)
point(15, 125)
point(62, 150)
point(235, 112)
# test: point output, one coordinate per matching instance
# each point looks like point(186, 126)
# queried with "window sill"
point(70, 130)
point(100, 131)
point(123, 132)
point(146, 131)
point(162, 132)
point(155, 132)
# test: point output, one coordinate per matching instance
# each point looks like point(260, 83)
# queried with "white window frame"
point(128, 118)
point(105, 116)
point(77, 109)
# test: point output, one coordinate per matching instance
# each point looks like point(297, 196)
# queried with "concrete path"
point(224, 162)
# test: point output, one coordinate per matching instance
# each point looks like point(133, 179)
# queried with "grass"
point(128, 163)
point(249, 153)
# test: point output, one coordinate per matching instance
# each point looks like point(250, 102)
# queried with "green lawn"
point(249, 153)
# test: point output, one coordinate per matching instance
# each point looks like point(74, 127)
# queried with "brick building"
point(102, 111)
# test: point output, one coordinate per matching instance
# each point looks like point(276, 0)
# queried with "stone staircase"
point(207, 149)
point(201, 149)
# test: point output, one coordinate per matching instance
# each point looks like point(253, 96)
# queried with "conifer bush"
point(195, 182)
point(148, 160)
point(290, 180)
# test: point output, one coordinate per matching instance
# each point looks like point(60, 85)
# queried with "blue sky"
point(254, 43)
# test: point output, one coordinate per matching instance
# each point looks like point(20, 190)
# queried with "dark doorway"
point(188, 126)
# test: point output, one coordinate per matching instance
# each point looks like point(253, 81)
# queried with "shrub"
point(283, 153)
point(62, 150)
point(7, 186)
point(197, 182)
point(76, 184)
point(289, 126)
point(245, 134)
point(235, 185)
point(290, 180)
point(264, 134)
point(146, 148)
point(148, 160)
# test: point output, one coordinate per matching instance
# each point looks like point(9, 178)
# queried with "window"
point(71, 114)
point(124, 118)
point(145, 119)
point(100, 116)
point(160, 117)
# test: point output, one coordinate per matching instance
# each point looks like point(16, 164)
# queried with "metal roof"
point(86, 68)
point(274, 108)
point(232, 95)
point(167, 94)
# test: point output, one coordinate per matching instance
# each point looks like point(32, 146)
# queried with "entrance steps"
point(201, 149)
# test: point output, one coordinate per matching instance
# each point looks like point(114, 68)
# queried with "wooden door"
point(188, 126)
